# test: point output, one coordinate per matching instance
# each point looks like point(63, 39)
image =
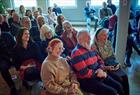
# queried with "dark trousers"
point(4, 69)
point(133, 41)
point(98, 86)
point(122, 78)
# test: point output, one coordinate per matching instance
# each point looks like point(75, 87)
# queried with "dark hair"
point(98, 31)
point(49, 8)
point(28, 10)
point(12, 11)
point(19, 36)
point(59, 21)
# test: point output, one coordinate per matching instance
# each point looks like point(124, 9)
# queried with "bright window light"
point(99, 2)
point(26, 3)
point(138, 2)
point(63, 3)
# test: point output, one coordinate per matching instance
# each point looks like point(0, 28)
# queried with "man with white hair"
point(89, 68)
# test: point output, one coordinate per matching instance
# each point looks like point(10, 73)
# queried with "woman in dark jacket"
point(59, 27)
point(27, 57)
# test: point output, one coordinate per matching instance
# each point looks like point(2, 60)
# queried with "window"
point(63, 3)
point(26, 3)
point(99, 2)
point(138, 2)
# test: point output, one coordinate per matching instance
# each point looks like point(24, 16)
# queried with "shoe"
point(127, 63)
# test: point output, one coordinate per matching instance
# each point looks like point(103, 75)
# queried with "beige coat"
point(57, 76)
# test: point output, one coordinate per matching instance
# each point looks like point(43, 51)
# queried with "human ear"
point(49, 49)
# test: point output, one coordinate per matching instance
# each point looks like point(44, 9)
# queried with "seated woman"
point(69, 37)
point(103, 45)
point(56, 74)
point(59, 27)
point(46, 35)
point(27, 57)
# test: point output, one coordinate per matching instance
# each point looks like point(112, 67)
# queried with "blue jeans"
point(88, 22)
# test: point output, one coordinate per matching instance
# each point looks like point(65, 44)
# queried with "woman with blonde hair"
point(46, 35)
point(56, 74)
point(105, 50)
point(69, 37)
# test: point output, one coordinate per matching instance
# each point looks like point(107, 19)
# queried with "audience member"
point(51, 17)
point(69, 37)
point(29, 14)
point(89, 14)
point(89, 68)
point(133, 39)
point(56, 73)
point(15, 25)
point(40, 10)
point(27, 58)
point(41, 21)
point(57, 10)
point(104, 48)
point(10, 19)
point(46, 35)
point(34, 21)
point(59, 27)
point(104, 14)
point(4, 26)
point(111, 6)
point(7, 43)
point(34, 31)
point(21, 11)
point(33, 9)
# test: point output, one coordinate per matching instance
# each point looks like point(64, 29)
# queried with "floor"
point(133, 74)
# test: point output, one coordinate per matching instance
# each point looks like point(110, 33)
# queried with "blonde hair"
point(44, 29)
point(66, 24)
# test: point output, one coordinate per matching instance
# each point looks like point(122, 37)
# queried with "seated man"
point(89, 14)
point(89, 69)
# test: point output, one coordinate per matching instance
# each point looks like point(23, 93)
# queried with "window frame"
point(63, 7)
point(24, 3)
point(100, 2)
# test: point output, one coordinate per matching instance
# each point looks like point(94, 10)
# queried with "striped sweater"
point(85, 62)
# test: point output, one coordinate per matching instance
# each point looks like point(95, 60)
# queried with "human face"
point(41, 21)
point(36, 14)
point(86, 41)
point(29, 13)
point(26, 36)
point(16, 18)
point(62, 18)
point(58, 49)
point(102, 36)
point(27, 23)
point(67, 27)
point(49, 34)
point(49, 10)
